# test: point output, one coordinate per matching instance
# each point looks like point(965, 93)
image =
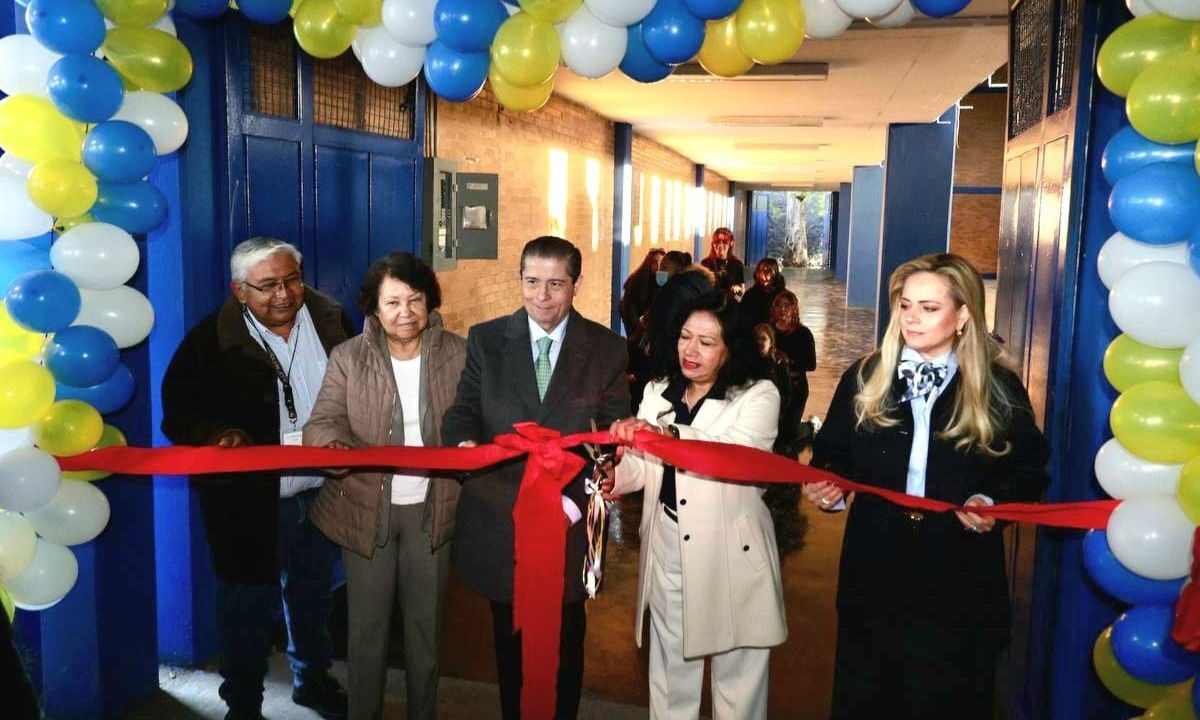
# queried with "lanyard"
point(285, 378)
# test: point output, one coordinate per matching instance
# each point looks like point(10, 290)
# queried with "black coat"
point(938, 575)
point(498, 389)
point(220, 380)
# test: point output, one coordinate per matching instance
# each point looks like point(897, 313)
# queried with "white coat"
point(732, 591)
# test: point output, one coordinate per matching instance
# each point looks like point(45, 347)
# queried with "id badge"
point(295, 437)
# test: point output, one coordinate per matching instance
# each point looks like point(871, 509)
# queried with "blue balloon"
point(118, 152)
point(1194, 250)
point(85, 88)
point(43, 301)
point(940, 8)
point(18, 258)
point(134, 207)
point(712, 9)
point(671, 33)
point(1141, 640)
point(81, 356)
point(468, 26)
point(453, 75)
point(1121, 583)
point(638, 64)
point(68, 27)
point(265, 12)
point(1157, 204)
point(1128, 151)
point(107, 397)
point(207, 9)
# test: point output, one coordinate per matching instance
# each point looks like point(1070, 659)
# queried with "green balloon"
point(1157, 421)
point(149, 58)
point(1138, 44)
point(1127, 362)
point(1164, 101)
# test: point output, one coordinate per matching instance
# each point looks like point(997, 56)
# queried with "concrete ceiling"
point(822, 128)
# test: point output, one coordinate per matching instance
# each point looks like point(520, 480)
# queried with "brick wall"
point(979, 163)
point(974, 229)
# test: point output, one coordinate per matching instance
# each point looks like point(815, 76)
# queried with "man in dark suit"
point(549, 364)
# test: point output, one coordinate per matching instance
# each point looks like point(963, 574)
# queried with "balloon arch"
point(87, 117)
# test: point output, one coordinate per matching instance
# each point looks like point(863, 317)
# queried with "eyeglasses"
point(292, 283)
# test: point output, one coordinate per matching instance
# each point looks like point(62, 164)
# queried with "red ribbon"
point(540, 529)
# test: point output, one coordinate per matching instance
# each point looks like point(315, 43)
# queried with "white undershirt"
point(409, 489)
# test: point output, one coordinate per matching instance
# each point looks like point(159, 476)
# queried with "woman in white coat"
point(709, 567)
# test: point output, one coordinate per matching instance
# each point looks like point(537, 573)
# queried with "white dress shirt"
point(922, 411)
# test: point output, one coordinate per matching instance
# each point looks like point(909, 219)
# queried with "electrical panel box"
point(476, 215)
point(439, 239)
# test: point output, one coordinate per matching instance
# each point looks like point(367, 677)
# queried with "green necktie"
point(541, 367)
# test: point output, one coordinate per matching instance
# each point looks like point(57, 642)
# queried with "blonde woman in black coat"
point(923, 608)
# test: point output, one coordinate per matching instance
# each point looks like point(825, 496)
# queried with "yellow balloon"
point(1177, 705)
point(26, 393)
point(770, 31)
point(109, 437)
point(132, 12)
point(721, 54)
point(17, 343)
point(551, 11)
point(1157, 421)
point(519, 99)
point(1189, 489)
point(1140, 43)
point(63, 224)
point(1119, 682)
point(149, 58)
point(62, 187)
point(525, 50)
point(361, 12)
point(321, 30)
point(6, 602)
point(69, 427)
point(1164, 101)
point(32, 129)
point(1127, 362)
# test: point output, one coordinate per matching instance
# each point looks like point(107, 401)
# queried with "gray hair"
point(251, 252)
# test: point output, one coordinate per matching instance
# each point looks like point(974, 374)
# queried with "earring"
point(958, 332)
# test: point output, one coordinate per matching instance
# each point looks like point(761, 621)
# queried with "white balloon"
point(823, 19)
point(48, 578)
point(389, 63)
point(159, 116)
point(12, 165)
point(97, 256)
point(1179, 9)
point(29, 477)
point(77, 514)
point(867, 8)
point(1121, 252)
point(24, 65)
point(359, 36)
point(17, 544)
point(1189, 370)
point(1139, 7)
point(620, 13)
point(1156, 304)
point(1124, 475)
point(21, 437)
point(899, 17)
point(1151, 536)
point(410, 22)
point(122, 312)
point(19, 217)
point(590, 47)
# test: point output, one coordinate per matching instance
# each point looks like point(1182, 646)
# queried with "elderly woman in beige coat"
point(390, 386)
point(709, 567)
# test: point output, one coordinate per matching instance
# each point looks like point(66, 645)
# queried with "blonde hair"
point(982, 407)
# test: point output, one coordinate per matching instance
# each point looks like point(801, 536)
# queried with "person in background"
point(730, 273)
point(687, 281)
point(923, 607)
point(640, 288)
point(777, 363)
point(768, 283)
point(708, 569)
point(248, 375)
point(391, 385)
point(796, 341)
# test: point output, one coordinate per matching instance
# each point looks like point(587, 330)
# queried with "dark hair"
point(721, 235)
point(554, 248)
point(777, 281)
point(677, 258)
point(744, 363)
point(788, 296)
point(642, 278)
point(408, 269)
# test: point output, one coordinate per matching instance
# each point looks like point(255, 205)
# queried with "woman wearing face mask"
point(709, 568)
point(390, 386)
point(923, 607)
point(768, 283)
point(640, 288)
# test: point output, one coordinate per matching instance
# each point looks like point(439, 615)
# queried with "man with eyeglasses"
point(248, 375)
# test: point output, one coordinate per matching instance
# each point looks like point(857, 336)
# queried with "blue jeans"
point(246, 612)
